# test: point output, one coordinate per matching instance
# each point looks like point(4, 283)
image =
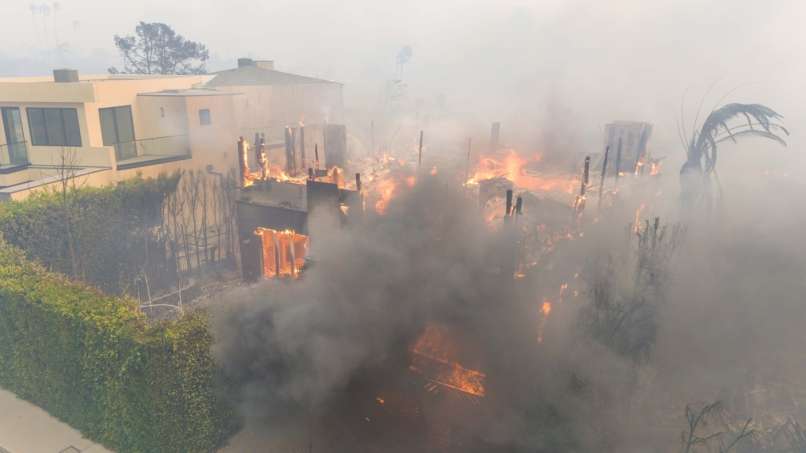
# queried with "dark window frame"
point(65, 133)
point(124, 149)
point(205, 117)
point(116, 126)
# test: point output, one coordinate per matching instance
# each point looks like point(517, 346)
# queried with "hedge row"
point(95, 234)
point(92, 361)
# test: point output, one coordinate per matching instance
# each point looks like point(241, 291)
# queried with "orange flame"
point(546, 308)
point(433, 356)
point(386, 190)
point(514, 168)
point(283, 252)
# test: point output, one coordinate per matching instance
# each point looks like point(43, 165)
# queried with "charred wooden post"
point(604, 174)
point(316, 155)
point(358, 182)
point(495, 135)
point(508, 211)
point(310, 173)
point(302, 146)
point(585, 176)
point(293, 151)
point(263, 160)
point(243, 162)
point(618, 161)
point(288, 157)
point(519, 205)
point(579, 203)
point(420, 154)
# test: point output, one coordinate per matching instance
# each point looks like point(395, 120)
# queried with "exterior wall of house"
point(276, 106)
point(87, 97)
point(213, 144)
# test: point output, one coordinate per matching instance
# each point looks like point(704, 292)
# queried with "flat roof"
point(189, 92)
point(99, 78)
point(254, 75)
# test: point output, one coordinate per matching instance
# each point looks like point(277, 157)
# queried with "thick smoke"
point(299, 346)
point(726, 323)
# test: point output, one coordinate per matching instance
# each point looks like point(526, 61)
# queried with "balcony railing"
point(153, 148)
point(15, 153)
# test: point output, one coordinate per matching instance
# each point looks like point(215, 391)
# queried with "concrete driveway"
point(25, 428)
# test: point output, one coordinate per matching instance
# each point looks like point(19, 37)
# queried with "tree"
point(157, 49)
point(722, 125)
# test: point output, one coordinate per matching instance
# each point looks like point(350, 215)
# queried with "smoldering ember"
point(506, 227)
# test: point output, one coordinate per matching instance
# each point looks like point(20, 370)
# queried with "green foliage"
point(103, 236)
point(92, 361)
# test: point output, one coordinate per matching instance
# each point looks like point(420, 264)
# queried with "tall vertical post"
point(420, 154)
point(509, 205)
point(302, 146)
point(604, 173)
point(243, 166)
point(585, 176)
point(288, 154)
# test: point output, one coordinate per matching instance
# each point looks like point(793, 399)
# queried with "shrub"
point(101, 235)
point(92, 361)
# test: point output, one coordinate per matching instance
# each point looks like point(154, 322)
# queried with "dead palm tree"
point(721, 125)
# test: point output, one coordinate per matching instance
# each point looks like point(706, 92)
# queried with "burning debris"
point(459, 330)
point(434, 356)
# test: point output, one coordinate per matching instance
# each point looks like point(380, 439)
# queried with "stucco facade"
point(111, 127)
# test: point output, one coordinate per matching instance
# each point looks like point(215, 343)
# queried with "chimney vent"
point(65, 75)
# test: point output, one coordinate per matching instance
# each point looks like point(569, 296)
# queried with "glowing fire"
point(283, 252)
point(434, 356)
point(513, 167)
point(386, 190)
point(546, 307)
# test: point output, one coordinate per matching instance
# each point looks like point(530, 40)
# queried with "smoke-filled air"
point(429, 226)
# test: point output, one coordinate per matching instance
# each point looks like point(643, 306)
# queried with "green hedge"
point(109, 228)
point(92, 361)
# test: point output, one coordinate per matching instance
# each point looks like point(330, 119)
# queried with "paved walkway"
point(25, 428)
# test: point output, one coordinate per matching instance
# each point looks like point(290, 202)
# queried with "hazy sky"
point(591, 60)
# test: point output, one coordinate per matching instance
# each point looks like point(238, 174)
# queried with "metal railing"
point(156, 147)
point(15, 153)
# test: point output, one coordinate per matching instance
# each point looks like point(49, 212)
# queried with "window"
point(117, 129)
point(204, 117)
point(15, 139)
point(54, 127)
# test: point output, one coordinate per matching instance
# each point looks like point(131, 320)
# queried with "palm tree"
point(721, 126)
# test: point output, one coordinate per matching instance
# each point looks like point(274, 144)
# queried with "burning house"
point(273, 206)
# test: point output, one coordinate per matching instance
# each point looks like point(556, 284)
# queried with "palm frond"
point(760, 121)
point(754, 132)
